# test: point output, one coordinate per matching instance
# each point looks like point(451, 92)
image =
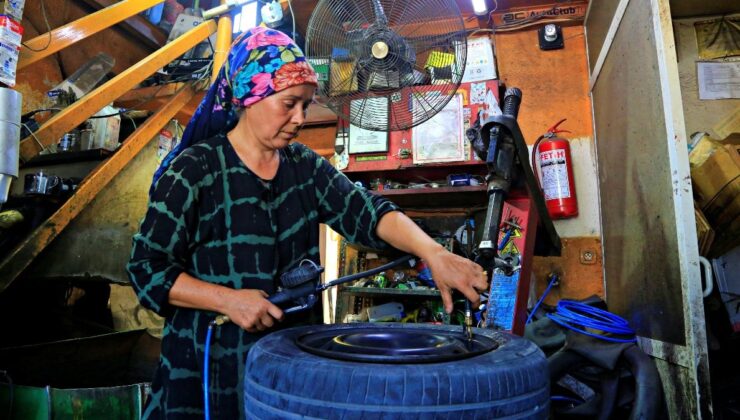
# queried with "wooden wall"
point(555, 86)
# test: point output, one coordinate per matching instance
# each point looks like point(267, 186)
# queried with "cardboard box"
point(11, 32)
point(12, 8)
point(704, 232)
point(716, 184)
point(8, 63)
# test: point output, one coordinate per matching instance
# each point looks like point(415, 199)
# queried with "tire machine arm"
point(498, 141)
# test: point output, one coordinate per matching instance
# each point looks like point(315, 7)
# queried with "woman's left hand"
point(451, 271)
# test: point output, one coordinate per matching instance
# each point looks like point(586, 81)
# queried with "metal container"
point(68, 142)
point(10, 133)
point(86, 139)
point(40, 183)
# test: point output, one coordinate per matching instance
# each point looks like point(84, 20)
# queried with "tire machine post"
point(516, 206)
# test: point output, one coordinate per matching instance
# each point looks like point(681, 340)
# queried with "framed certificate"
point(440, 139)
point(368, 141)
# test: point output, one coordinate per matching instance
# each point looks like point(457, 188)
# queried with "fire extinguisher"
point(552, 155)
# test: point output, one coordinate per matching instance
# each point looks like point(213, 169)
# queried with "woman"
point(236, 205)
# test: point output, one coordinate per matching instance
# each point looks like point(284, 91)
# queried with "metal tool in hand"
point(301, 289)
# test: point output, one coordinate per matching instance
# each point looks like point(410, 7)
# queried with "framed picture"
point(368, 141)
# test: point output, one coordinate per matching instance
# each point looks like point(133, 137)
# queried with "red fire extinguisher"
point(552, 155)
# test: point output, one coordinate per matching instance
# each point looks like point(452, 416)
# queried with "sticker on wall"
point(510, 248)
point(477, 93)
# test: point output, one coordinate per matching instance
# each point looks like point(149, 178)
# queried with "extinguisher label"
point(554, 168)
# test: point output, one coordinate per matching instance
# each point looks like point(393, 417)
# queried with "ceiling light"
point(480, 7)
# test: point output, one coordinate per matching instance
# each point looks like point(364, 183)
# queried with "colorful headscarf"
point(261, 62)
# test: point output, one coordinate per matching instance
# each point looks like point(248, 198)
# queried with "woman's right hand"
point(250, 309)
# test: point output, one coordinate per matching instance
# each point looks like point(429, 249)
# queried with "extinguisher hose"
point(535, 147)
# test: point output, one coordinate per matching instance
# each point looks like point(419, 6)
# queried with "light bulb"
point(480, 8)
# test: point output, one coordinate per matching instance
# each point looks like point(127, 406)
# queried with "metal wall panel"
point(641, 261)
point(597, 25)
point(651, 258)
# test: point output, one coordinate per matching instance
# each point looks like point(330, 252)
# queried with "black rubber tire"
point(285, 382)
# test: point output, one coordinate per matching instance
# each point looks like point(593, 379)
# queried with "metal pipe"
point(224, 7)
point(10, 136)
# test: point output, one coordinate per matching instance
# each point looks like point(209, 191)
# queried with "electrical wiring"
point(43, 148)
point(36, 111)
point(132, 120)
point(48, 29)
point(292, 15)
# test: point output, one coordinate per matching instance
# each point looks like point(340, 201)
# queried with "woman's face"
point(275, 120)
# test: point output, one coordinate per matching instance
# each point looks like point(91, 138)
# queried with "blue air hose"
point(206, 360)
point(553, 279)
point(583, 318)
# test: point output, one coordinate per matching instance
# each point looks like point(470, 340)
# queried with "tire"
point(284, 382)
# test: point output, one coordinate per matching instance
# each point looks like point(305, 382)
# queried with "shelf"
point(374, 291)
point(404, 169)
point(68, 157)
point(463, 196)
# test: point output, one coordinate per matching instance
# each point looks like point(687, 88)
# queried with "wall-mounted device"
point(272, 14)
point(551, 37)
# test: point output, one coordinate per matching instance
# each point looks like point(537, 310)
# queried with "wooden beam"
point(23, 254)
point(137, 25)
point(146, 94)
point(75, 114)
point(80, 29)
point(223, 42)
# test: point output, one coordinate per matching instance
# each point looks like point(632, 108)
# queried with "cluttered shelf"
point(375, 291)
point(462, 196)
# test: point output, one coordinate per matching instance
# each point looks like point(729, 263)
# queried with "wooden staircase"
point(124, 85)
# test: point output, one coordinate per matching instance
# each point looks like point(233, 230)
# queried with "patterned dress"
point(211, 217)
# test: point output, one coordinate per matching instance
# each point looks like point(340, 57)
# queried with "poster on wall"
point(368, 141)
point(440, 139)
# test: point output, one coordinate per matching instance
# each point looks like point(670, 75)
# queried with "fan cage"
point(387, 65)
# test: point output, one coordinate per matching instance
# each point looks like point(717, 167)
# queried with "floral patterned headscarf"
point(261, 62)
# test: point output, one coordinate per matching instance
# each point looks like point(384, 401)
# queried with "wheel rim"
point(390, 345)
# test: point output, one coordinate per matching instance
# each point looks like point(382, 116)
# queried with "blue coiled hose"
point(583, 318)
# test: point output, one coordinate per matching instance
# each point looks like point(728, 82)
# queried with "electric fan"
point(387, 65)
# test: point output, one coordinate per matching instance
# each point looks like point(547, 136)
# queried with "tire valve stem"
point(468, 328)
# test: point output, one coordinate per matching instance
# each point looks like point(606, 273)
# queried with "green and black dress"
point(211, 217)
